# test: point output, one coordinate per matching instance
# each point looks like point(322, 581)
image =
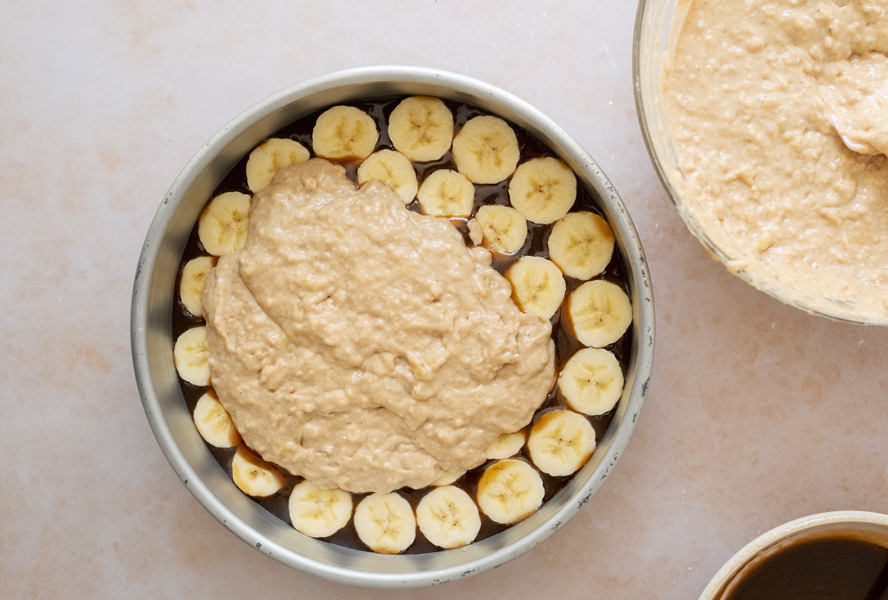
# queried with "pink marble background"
point(756, 414)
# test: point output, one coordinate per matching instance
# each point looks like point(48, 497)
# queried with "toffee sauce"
point(566, 343)
point(827, 568)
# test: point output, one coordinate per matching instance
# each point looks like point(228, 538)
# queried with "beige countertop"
point(756, 413)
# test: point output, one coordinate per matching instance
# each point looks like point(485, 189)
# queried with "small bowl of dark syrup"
point(829, 556)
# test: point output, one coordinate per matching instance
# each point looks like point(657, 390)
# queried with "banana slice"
point(191, 286)
point(191, 356)
point(446, 193)
point(599, 313)
point(271, 156)
point(213, 422)
point(254, 476)
point(223, 224)
point(543, 190)
point(506, 445)
point(447, 478)
point(319, 513)
point(393, 169)
point(448, 517)
point(385, 522)
point(509, 491)
point(344, 133)
point(537, 286)
point(486, 150)
point(581, 244)
point(505, 229)
point(561, 442)
point(421, 128)
point(591, 381)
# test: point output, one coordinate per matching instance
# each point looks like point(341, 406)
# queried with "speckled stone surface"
point(756, 413)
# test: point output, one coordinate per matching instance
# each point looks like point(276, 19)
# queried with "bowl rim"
point(637, 274)
point(770, 538)
point(690, 222)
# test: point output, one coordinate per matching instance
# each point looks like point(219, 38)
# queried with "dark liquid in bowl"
point(832, 568)
point(536, 245)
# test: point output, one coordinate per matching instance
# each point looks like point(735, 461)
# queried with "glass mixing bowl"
point(657, 26)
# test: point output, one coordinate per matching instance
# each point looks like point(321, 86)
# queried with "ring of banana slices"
point(505, 191)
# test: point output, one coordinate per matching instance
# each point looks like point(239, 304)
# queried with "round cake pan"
point(154, 297)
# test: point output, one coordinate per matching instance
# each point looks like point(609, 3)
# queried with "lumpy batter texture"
point(760, 93)
point(362, 345)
